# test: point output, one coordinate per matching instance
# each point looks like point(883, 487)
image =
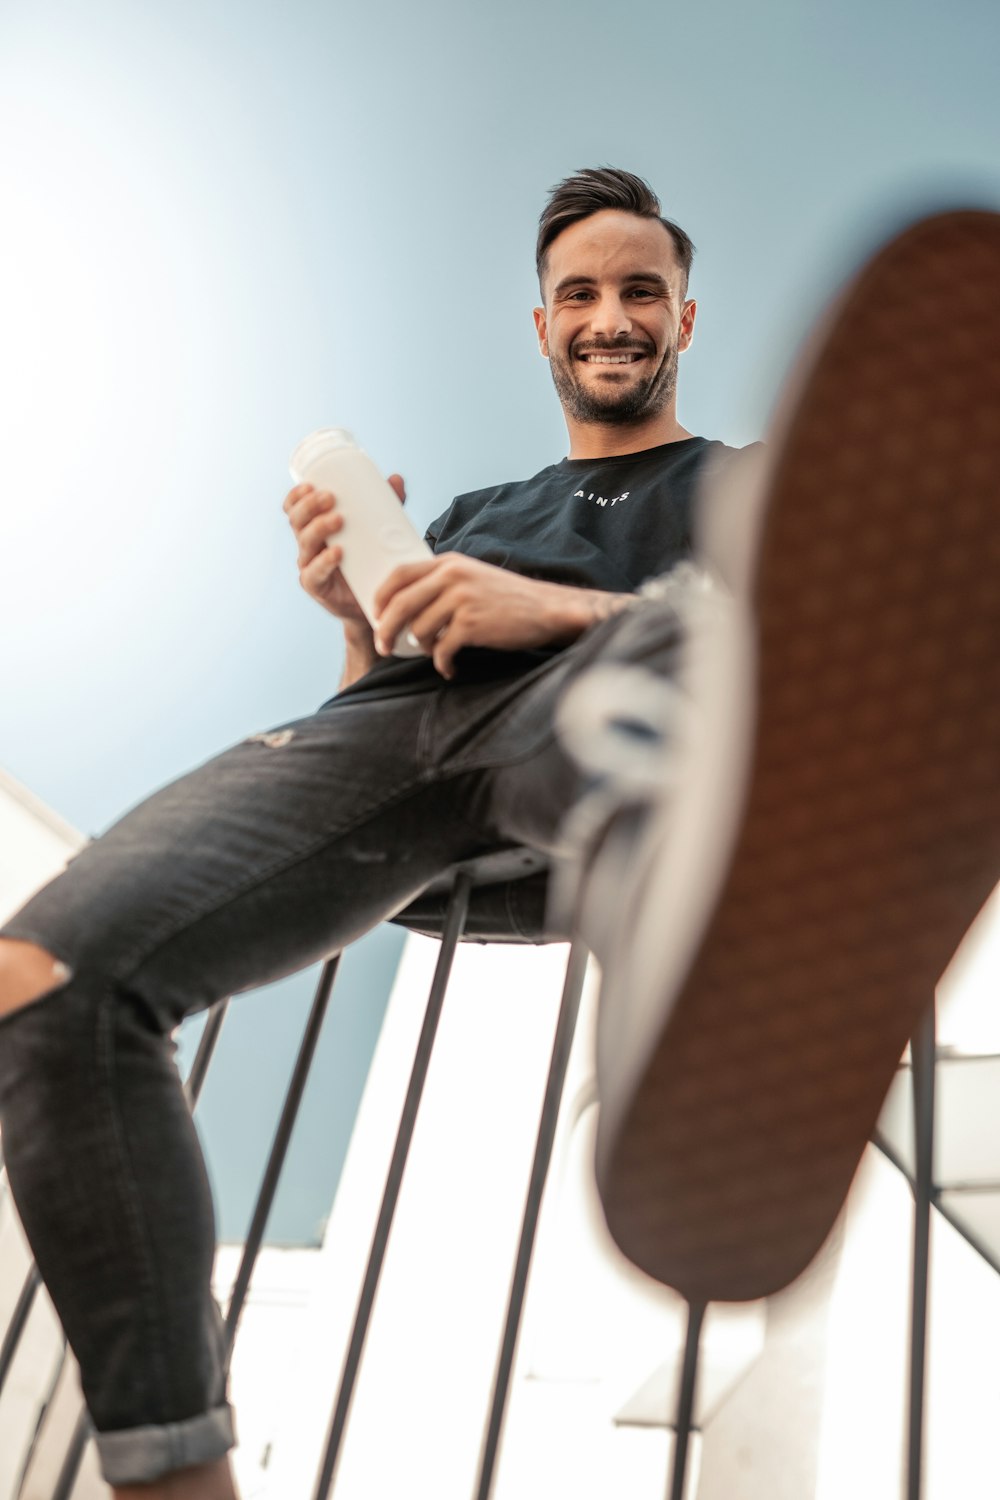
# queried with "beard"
point(615, 405)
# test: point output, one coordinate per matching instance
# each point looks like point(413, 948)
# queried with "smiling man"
point(568, 599)
point(616, 318)
point(290, 845)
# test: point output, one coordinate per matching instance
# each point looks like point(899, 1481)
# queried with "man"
point(291, 845)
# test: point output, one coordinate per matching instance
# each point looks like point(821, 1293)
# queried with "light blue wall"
point(225, 224)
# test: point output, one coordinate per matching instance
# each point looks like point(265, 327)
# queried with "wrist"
point(359, 651)
point(358, 635)
point(574, 610)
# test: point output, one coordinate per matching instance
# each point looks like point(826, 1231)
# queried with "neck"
point(606, 439)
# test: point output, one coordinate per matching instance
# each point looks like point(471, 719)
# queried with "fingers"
point(441, 626)
point(294, 495)
point(303, 503)
point(402, 577)
point(445, 650)
point(408, 591)
point(305, 492)
point(436, 601)
point(429, 624)
point(318, 534)
point(316, 575)
point(314, 519)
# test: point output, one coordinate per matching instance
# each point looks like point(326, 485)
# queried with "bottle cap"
point(324, 440)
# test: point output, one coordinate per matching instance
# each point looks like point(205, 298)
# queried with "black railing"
point(453, 918)
point(453, 924)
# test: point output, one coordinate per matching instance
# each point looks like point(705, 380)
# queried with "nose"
point(609, 318)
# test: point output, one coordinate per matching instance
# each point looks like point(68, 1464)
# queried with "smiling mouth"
point(627, 357)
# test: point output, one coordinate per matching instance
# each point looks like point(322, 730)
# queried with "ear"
point(688, 314)
point(541, 328)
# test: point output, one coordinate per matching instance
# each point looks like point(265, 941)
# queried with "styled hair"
point(596, 188)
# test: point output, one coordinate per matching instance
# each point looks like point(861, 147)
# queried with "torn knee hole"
point(275, 739)
point(27, 973)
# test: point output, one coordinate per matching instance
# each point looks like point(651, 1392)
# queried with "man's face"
point(614, 320)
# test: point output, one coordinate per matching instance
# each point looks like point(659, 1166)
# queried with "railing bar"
point(279, 1148)
point(576, 969)
point(70, 1471)
point(18, 1321)
point(206, 1048)
point(684, 1416)
point(454, 925)
point(970, 1187)
point(923, 1048)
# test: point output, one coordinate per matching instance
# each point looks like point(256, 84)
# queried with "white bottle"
point(377, 534)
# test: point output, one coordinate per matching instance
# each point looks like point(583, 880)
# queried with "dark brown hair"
point(593, 189)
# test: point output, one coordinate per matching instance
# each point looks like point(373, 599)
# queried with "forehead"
point(611, 245)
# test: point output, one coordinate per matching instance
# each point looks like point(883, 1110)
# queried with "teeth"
point(609, 359)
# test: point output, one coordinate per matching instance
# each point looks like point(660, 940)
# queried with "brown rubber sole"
point(870, 835)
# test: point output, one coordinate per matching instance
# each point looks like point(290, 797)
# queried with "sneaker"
point(833, 824)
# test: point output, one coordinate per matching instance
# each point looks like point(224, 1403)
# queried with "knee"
point(27, 972)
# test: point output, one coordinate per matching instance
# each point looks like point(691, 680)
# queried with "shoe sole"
point(869, 837)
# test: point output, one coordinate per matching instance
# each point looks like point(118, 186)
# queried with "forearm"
point(359, 651)
point(455, 601)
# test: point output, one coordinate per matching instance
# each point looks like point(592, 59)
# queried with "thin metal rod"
point(279, 1148)
point(18, 1322)
point(69, 1473)
point(454, 925)
point(576, 969)
point(923, 1048)
point(206, 1047)
point(684, 1417)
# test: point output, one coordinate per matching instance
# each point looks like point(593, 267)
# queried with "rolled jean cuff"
point(140, 1454)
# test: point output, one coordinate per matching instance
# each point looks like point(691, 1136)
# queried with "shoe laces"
point(624, 726)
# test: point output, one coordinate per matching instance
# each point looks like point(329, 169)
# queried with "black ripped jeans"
point(269, 857)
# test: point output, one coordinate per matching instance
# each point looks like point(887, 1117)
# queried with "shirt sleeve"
point(436, 527)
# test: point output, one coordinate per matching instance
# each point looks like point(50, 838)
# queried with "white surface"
point(968, 1008)
point(34, 844)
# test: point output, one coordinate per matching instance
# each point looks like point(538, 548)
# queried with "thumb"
point(396, 480)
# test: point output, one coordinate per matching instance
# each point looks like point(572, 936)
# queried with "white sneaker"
point(833, 826)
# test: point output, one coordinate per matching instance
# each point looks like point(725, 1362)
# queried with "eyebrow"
point(647, 278)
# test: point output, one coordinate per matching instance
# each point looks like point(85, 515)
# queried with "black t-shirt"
point(598, 523)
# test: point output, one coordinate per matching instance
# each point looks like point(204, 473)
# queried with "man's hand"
point(454, 601)
point(314, 519)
